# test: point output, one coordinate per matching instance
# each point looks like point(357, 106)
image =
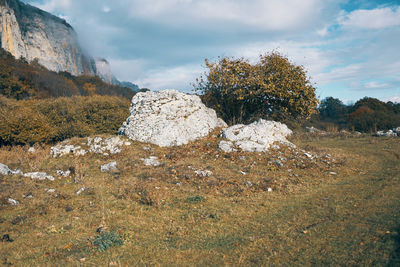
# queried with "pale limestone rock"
point(227, 146)
point(255, 137)
point(109, 167)
point(169, 118)
point(13, 202)
point(39, 176)
point(112, 145)
point(62, 173)
point(151, 161)
point(4, 170)
point(65, 149)
point(203, 173)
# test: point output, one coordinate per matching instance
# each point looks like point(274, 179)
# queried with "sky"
point(350, 49)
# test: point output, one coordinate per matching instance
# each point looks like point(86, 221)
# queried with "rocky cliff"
point(31, 33)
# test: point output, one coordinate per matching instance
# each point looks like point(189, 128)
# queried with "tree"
point(273, 88)
point(332, 108)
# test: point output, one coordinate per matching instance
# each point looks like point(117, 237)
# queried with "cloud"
point(394, 99)
point(163, 43)
point(276, 15)
point(378, 18)
point(375, 85)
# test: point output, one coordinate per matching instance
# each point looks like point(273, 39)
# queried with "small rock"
point(243, 173)
point(332, 173)
point(147, 148)
point(269, 189)
point(51, 190)
point(31, 150)
point(308, 155)
point(28, 195)
point(39, 176)
point(278, 163)
point(4, 170)
point(80, 190)
point(13, 202)
point(63, 173)
point(151, 161)
point(249, 183)
point(109, 167)
point(227, 146)
point(203, 173)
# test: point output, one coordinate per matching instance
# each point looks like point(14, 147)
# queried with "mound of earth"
point(169, 118)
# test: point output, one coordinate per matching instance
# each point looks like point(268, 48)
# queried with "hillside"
point(22, 80)
point(201, 206)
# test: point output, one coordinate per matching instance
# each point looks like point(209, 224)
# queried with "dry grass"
point(168, 215)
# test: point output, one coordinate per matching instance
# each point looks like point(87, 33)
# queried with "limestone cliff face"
point(26, 31)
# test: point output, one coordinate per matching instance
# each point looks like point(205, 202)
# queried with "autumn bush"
point(273, 88)
point(51, 120)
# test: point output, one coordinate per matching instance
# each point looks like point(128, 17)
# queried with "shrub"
point(105, 240)
point(273, 88)
point(50, 120)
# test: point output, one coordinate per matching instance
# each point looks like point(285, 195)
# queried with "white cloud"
point(394, 99)
point(261, 14)
point(179, 78)
point(375, 85)
point(53, 5)
point(372, 19)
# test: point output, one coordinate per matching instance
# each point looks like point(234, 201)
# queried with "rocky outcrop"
point(389, 133)
point(169, 118)
point(31, 33)
point(255, 137)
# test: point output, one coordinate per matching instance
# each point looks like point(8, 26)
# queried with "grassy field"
point(337, 205)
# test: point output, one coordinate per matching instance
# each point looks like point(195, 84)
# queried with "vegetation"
point(343, 214)
point(366, 115)
point(273, 88)
point(51, 120)
point(22, 80)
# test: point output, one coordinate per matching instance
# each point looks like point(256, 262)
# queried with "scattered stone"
point(147, 148)
point(257, 136)
point(308, 155)
point(389, 133)
point(39, 176)
point(4, 170)
point(332, 173)
point(269, 189)
point(80, 190)
point(243, 173)
point(169, 118)
point(151, 161)
point(112, 145)
point(109, 167)
point(64, 149)
point(51, 190)
point(28, 195)
point(13, 202)
point(203, 173)
point(227, 146)
point(312, 129)
point(278, 163)
point(31, 150)
point(249, 183)
point(62, 173)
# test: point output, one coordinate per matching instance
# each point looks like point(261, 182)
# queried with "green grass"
point(167, 215)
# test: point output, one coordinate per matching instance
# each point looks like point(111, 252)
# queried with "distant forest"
point(366, 115)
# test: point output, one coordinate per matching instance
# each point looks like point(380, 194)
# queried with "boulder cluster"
point(389, 133)
point(170, 118)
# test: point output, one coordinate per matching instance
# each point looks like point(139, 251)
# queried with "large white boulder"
point(169, 118)
point(255, 137)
